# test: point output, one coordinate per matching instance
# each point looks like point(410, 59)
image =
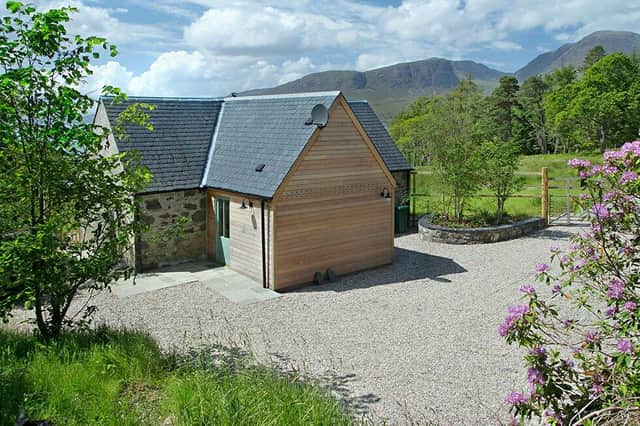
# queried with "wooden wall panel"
point(245, 239)
point(329, 211)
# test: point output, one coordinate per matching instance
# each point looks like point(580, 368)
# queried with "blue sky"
point(214, 47)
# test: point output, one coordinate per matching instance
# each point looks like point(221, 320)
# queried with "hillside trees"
point(607, 99)
point(453, 134)
point(65, 209)
point(556, 101)
point(594, 55)
point(531, 130)
point(564, 111)
point(503, 104)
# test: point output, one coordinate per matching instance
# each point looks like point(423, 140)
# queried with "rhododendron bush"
point(579, 326)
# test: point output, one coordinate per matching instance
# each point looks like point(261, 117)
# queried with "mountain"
point(574, 53)
point(389, 89)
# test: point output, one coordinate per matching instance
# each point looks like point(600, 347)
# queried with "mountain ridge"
point(391, 88)
point(574, 53)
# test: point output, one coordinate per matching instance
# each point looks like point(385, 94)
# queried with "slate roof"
point(378, 134)
point(218, 143)
point(267, 130)
point(176, 150)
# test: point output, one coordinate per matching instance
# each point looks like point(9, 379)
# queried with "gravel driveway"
point(415, 341)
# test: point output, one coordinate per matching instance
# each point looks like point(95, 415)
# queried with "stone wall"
point(440, 234)
point(160, 245)
point(402, 184)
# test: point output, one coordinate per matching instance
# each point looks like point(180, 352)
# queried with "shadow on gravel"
point(339, 385)
point(408, 265)
point(553, 234)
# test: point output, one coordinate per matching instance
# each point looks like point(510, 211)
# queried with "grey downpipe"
point(264, 260)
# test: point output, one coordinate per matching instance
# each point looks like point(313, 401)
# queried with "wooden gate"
point(561, 194)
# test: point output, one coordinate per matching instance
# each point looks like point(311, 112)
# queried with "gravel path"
point(415, 341)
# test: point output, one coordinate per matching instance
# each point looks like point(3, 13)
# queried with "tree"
point(500, 162)
point(562, 88)
point(594, 55)
point(408, 130)
point(454, 142)
point(502, 104)
point(65, 208)
point(530, 126)
point(581, 337)
point(605, 105)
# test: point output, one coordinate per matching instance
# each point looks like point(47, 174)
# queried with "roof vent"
point(319, 116)
point(259, 167)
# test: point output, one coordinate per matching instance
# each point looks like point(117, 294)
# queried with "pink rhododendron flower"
point(591, 337)
point(528, 289)
point(576, 162)
point(631, 148)
point(624, 346)
point(628, 177)
point(616, 288)
point(541, 268)
point(600, 210)
point(516, 398)
point(516, 313)
point(611, 311)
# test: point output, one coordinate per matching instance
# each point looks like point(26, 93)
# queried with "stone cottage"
point(279, 188)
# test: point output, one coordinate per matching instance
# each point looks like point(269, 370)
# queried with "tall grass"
point(116, 377)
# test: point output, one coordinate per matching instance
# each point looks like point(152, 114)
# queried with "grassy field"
point(530, 169)
point(109, 377)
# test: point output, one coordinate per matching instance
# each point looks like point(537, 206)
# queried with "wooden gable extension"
point(329, 212)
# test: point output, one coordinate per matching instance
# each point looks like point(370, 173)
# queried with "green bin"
point(402, 219)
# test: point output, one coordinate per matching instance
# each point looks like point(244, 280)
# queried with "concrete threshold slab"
point(238, 288)
point(232, 285)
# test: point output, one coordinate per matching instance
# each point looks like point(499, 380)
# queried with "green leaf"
point(14, 6)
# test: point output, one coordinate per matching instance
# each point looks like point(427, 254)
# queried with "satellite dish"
point(319, 115)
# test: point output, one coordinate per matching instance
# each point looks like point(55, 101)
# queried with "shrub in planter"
point(500, 161)
point(582, 333)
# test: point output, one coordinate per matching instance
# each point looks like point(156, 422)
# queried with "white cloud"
point(233, 45)
point(112, 73)
point(182, 73)
point(269, 31)
point(506, 45)
point(102, 22)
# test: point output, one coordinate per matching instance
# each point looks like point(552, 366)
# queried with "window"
point(223, 217)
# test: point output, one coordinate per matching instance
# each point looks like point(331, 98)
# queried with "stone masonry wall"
point(431, 232)
point(160, 246)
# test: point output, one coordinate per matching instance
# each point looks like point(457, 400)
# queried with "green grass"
point(110, 377)
point(530, 169)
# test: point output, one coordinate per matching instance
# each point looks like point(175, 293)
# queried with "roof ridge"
point(334, 93)
point(170, 98)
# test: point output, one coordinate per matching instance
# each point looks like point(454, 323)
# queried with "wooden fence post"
point(545, 195)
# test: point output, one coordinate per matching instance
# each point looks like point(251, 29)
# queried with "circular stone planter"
point(441, 234)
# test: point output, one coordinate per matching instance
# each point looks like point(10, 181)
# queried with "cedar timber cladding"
point(329, 212)
point(246, 238)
